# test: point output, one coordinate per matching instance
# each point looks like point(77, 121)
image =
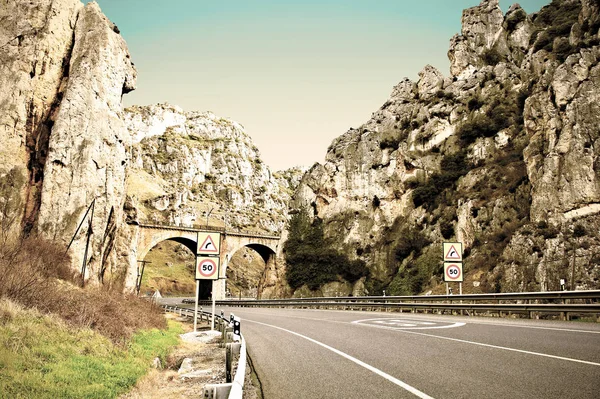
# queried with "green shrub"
point(474, 103)
point(558, 13)
point(447, 229)
point(411, 279)
point(579, 230)
point(311, 259)
point(562, 49)
point(425, 193)
point(411, 241)
point(453, 166)
point(475, 127)
point(491, 57)
point(514, 19)
point(555, 21)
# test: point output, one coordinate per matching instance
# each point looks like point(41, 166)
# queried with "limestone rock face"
point(502, 155)
point(561, 155)
point(430, 81)
point(481, 27)
point(66, 68)
point(36, 39)
point(87, 150)
point(196, 168)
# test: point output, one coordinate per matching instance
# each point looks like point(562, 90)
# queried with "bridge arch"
point(148, 236)
point(264, 251)
point(151, 240)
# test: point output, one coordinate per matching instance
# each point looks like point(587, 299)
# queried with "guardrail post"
point(236, 328)
point(216, 391)
point(228, 362)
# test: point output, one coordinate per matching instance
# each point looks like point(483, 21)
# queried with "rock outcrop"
point(87, 152)
point(76, 168)
point(36, 41)
point(502, 155)
point(67, 68)
point(196, 168)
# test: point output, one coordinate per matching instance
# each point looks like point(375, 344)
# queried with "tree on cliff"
point(311, 259)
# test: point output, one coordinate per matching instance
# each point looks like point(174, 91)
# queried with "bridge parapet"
point(231, 232)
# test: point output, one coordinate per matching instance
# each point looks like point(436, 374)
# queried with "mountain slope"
point(502, 155)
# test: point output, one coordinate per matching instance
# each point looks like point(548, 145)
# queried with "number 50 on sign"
point(453, 272)
point(207, 268)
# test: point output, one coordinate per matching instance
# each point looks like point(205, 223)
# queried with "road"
point(347, 354)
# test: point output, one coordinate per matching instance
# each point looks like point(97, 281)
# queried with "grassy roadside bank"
point(41, 356)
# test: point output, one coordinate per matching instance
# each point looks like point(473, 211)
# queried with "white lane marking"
point(503, 348)
point(404, 324)
point(535, 327)
point(470, 321)
point(394, 323)
point(383, 374)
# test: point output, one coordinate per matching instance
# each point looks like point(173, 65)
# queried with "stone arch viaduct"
point(149, 235)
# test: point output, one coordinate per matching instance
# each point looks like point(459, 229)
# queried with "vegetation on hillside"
point(74, 342)
point(44, 357)
point(553, 25)
point(311, 260)
point(170, 270)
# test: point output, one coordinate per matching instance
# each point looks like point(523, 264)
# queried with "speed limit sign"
point(453, 271)
point(207, 268)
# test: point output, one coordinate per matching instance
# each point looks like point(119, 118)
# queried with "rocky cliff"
point(66, 68)
point(75, 166)
point(196, 168)
point(502, 155)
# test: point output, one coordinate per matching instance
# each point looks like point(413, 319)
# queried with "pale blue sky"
point(295, 74)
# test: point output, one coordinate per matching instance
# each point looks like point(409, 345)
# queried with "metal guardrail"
point(231, 389)
point(563, 302)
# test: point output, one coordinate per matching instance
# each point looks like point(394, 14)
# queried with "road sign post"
point(453, 266)
point(208, 263)
point(196, 307)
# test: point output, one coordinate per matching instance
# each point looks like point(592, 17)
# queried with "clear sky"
point(296, 74)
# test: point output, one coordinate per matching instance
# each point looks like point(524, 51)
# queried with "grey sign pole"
point(196, 307)
point(212, 294)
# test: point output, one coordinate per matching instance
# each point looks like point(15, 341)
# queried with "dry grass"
point(28, 269)
point(36, 273)
point(114, 315)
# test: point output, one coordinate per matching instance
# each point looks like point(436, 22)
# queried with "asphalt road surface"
point(345, 354)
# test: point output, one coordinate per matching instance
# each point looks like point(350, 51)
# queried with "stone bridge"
point(149, 235)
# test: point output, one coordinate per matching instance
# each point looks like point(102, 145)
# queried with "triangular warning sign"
point(452, 253)
point(209, 246)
